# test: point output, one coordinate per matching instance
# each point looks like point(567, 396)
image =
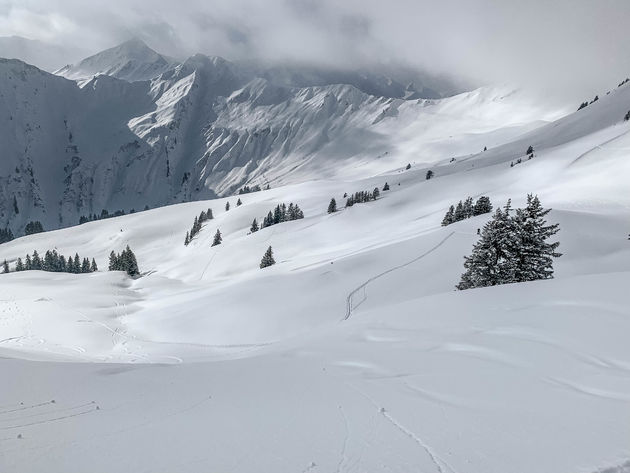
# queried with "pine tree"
point(33, 227)
point(408, 167)
point(36, 262)
point(449, 217)
point(534, 254)
point(254, 227)
point(187, 239)
point(482, 206)
point(459, 212)
point(239, 203)
point(530, 150)
point(332, 206)
point(217, 238)
point(468, 207)
point(76, 264)
point(429, 174)
point(85, 265)
point(492, 261)
point(93, 267)
point(209, 215)
point(627, 116)
point(6, 235)
point(5, 267)
point(376, 193)
point(130, 262)
point(19, 266)
point(386, 187)
point(29, 264)
point(227, 206)
point(267, 259)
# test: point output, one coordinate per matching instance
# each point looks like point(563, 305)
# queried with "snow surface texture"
point(207, 127)
point(353, 353)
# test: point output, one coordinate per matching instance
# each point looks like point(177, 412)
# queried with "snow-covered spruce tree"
point(376, 193)
point(28, 265)
point(85, 266)
point(76, 264)
point(19, 265)
point(36, 262)
point(429, 174)
point(254, 227)
point(217, 238)
point(449, 217)
point(5, 267)
point(386, 187)
point(408, 167)
point(492, 261)
point(93, 266)
point(459, 212)
point(534, 254)
point(530, 150)
point(468, 207)
point(227, 206)
point(482, 206)
point(267, 259)
point(130, 262)
point(239, 203)
point(113, 262)
point(332, 206)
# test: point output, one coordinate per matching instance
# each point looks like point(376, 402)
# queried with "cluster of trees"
point(204, 216)
point(467, 209)
point(33, 227)
point(280, 214)
point(623, 82)
point(513, 247)
point(247, 189)
point(529, 153)
point(6, 235)
point(361, 197)
point(586, 104)
point(103, 215)
point(53, 262)
point(125, 261)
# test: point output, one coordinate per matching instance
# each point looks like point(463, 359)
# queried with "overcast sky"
point(558, 46)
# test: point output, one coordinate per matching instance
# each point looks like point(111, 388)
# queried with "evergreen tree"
point(482, 206)
point(217, 238)
point(332, 206)
point(130, 263)
point(449, 217)
point(530, 150)
point(6, 235)
point(267, 259)
point(5, 267)
point(36, 262)
point(16, 209)
point(534, 254)
point(33, 227)
point(429, 174)
point(29, 264)
point(408, 167)
point(93, 266)
point(492, 261)
point(627, 116)
point(386, 187)
point(376, 193)
point(468, 207)
point(239, 203)
point(63, 266)
point(254, 227)
point(19, 266)
point(76, 264)
point(209, 215)
point(85, 265)
point(459, 212)
point(187, 239)
point(113, 262)
point(227, 206)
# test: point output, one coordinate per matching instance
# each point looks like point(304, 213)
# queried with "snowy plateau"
point(354, 352)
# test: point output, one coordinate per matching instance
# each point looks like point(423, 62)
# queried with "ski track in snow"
point(349, 305)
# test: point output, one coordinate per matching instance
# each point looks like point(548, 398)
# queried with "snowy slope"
point(353, 352)
point(132, 61)
point(204, 128)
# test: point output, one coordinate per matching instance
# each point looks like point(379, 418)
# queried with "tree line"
point(513, 247)
point(53, 262)
point(467, 209)
point(105, 215)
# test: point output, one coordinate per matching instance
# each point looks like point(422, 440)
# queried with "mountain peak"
point(132, 61)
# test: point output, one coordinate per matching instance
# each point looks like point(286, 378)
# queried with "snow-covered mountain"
point(206, 127)
point(353, 353)
point(132, 61)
